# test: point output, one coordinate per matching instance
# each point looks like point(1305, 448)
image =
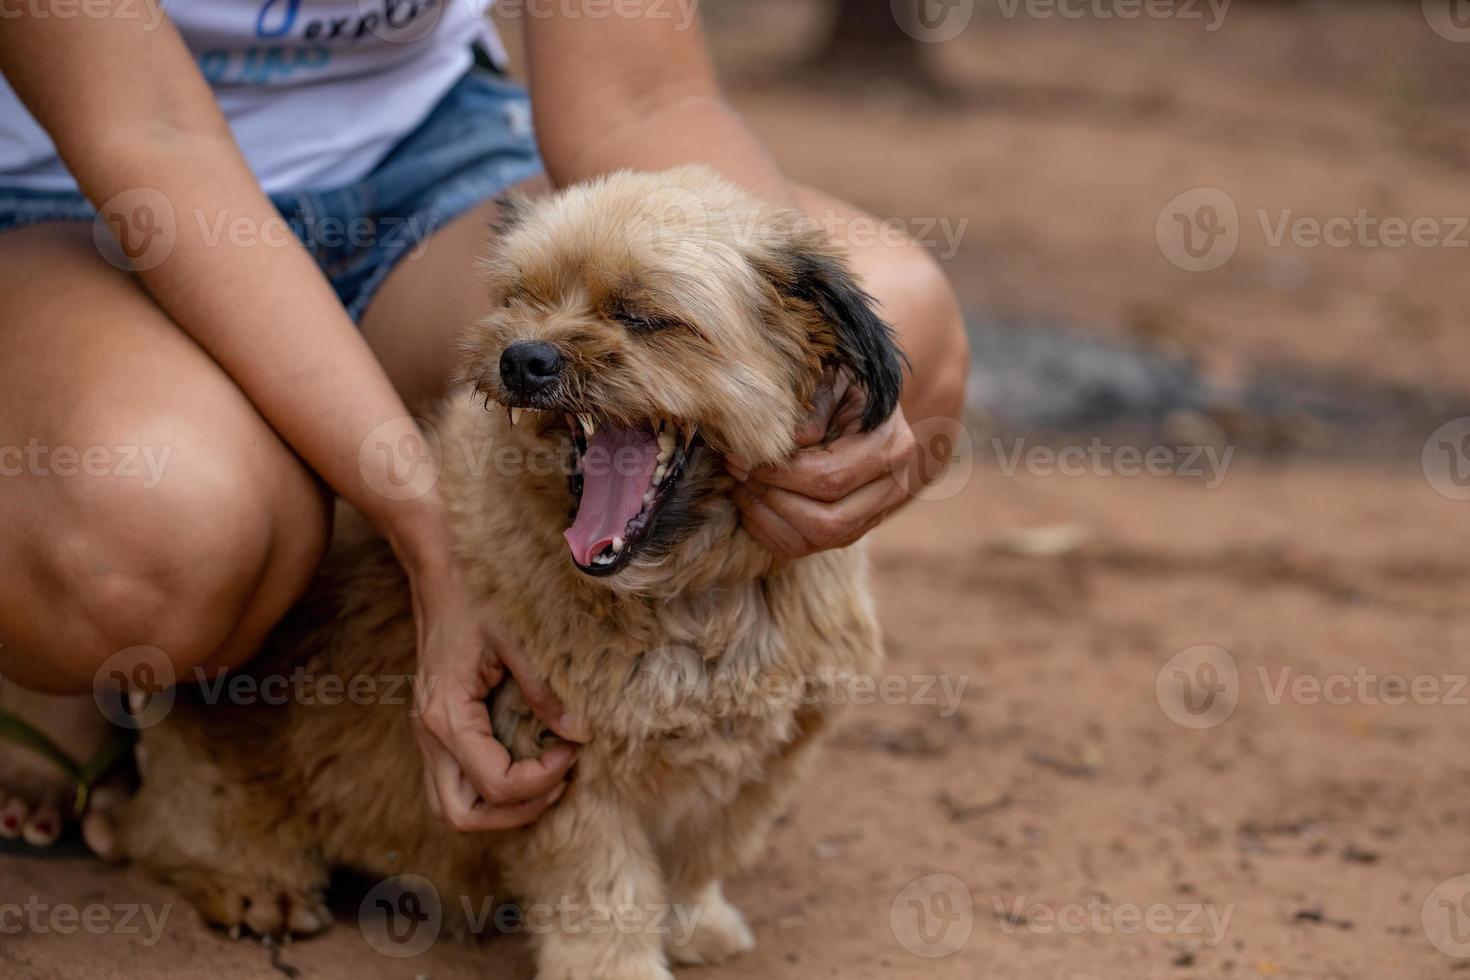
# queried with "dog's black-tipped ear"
point(862, 342)
point(510, 206)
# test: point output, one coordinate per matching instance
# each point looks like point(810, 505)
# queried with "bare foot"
point(35, 796)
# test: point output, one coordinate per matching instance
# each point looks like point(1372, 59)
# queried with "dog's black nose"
point(530, 366)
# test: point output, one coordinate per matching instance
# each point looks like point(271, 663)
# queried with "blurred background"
point(1180, 645)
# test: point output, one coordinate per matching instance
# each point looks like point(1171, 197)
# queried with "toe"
point(13, 814)
point(99, 834)
point(99, 824)
point(43, 827)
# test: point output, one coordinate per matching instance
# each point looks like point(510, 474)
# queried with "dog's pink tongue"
point(616, 471)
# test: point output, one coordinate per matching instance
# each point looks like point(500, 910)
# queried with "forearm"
point(636, 92)
point(237, 281)
point(140, 131)
point(683, 130)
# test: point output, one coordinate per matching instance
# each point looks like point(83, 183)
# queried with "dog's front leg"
point(592, 892)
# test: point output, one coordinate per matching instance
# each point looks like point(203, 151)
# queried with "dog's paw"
point(260, 908)
point(717, 931)
point(582, 961)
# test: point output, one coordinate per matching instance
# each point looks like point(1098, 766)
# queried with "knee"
point(917, 298)
point(163, 542)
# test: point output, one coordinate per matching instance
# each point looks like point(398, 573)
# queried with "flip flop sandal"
point(85, 775)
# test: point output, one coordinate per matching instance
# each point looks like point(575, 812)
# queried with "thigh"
point(429, 300)
point(141, 495)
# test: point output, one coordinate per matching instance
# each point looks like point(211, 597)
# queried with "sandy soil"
point(1312, 833)
point(1060, 796)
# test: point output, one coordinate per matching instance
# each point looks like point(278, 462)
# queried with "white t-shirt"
point(316, 91)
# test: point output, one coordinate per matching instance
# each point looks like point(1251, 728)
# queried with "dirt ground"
point(1173, 738)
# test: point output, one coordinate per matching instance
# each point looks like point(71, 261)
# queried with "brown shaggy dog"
point(676, 318)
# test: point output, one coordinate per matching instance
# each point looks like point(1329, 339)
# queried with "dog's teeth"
point(617, 545)
point(648, 498)
point(515, 416)
point(665, 444)
point(587, 425)
point(658, 474)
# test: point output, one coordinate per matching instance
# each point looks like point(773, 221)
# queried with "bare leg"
point(144, 501)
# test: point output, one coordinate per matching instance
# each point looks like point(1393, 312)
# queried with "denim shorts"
point(476, 143)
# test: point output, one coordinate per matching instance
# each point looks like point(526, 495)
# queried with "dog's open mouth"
point(622, 479)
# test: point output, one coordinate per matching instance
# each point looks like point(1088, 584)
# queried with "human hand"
point(836, 487)
point(463, 654)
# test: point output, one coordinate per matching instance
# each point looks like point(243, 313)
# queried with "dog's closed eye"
point(637, 320)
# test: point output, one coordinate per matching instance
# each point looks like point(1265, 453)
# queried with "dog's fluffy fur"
point(670, 296)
